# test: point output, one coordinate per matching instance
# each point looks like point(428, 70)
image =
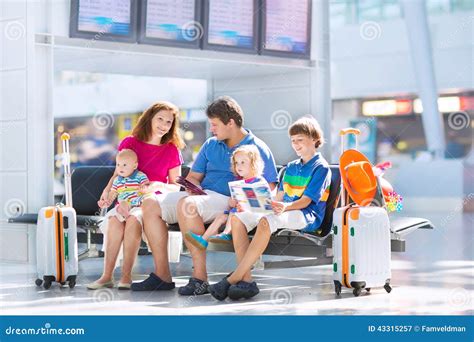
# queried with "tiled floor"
point(435, 276)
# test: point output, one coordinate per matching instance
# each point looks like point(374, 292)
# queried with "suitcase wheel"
point(63, 283)
point(71, 281)
point(38, 282)
point(47, 281)
point(357, 291)
point(337, 287)
point(387, 288)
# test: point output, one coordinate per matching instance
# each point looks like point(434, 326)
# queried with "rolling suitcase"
point(56, 236)
point(361, 244)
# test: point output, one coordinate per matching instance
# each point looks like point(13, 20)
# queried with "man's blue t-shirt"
point(311, 179)
point(213, 161)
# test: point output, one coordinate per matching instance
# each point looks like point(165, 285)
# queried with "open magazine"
point(189, 186)
point(254, 197)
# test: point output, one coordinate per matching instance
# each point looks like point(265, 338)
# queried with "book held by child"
point(255, 197)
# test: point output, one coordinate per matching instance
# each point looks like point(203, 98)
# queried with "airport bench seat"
point(89, 181)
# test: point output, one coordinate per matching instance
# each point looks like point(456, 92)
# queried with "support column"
point(321, 103)
point(420, 47)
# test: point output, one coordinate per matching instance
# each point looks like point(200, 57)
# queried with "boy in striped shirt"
point(128, 184)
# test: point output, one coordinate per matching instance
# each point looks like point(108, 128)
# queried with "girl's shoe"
point(196, 240)
point(221, 238)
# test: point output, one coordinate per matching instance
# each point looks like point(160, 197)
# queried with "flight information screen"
point(287, 26)
point(172, 20)
point(105, 16)
point(233, 27)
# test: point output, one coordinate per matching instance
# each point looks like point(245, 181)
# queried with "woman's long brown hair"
point(143, 129)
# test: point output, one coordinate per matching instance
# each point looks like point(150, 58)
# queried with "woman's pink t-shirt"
point(153, 160)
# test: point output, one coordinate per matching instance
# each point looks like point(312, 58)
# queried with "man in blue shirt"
point(212, 172)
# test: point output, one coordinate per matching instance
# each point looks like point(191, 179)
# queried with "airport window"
point(462, 5)
point(369, 10)
point(438, 6)
point(341, 13)
point(391, 9)
point(347, 12)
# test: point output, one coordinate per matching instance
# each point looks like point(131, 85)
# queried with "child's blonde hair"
point(127, 153)
point(256, 162)
point(309, 126)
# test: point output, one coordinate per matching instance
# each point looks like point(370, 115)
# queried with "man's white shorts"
point(293, 219)
point(208, 206)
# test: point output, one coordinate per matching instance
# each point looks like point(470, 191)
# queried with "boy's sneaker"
point(152, 283)
point(194, 287)
point(221, 238)
point(219, 290)
point(243, 289)
point(196, 240)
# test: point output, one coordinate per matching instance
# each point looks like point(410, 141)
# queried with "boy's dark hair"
point(308, 126)
point(225, 108)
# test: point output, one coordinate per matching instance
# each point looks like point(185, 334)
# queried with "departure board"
point(287, 27)
point(172, 20)
point(103, 19)
point(231, 24)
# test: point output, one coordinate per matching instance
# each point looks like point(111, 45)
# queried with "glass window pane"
point(369, 10)
point(391, 9)
point(341, 12)
point(462, 5)
point(437, 6)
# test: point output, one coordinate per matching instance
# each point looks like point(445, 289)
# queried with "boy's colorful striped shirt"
point(313, 180)
point(128, 187)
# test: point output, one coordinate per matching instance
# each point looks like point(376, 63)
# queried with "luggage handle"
point(349, 130)
point(67, 169)
point(343, 132)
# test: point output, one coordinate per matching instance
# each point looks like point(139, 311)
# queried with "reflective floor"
point(434, 276)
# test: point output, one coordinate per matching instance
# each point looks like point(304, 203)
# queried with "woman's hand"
point(104, 203)
point(279, 207)
point(104, 199)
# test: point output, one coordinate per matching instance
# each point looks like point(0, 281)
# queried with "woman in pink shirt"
point(157, 143)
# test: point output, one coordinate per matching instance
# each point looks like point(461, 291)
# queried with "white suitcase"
point(56, 237)
point(361, 246)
